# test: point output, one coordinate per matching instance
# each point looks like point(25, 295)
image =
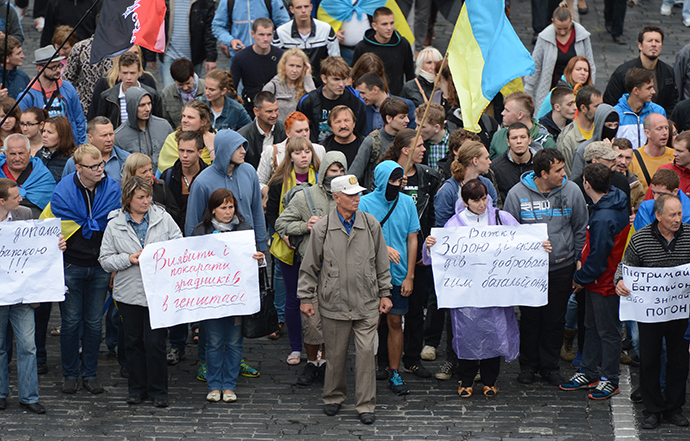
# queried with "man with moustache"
point(343, 139)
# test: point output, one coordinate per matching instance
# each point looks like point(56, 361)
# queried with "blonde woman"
point(292, 82)
point(138, 164)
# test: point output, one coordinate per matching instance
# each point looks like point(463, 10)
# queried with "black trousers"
point(42, 317)
point(414, 319)
point(651, 334)
point(435, 319)
point(489, 368)
point(146, 355)
point(614, 15)
point(541, 328)
point(542, 10)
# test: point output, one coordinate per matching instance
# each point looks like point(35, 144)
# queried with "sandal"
point(213, 396)
point(294, 358)
point(465, 392)
point(229, 396)
point(490, 391)
point(276, 334)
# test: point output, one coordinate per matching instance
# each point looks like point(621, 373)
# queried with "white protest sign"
point(656, 294)
point(200, 278)
point(31, 267)
point(490, 266)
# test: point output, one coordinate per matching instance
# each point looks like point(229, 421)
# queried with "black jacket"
point(508, 173)
point(548, 122)
point(109, 104)
point(69, 12)
point(666, 96)
point(429, 183)
point(618, 180)
point(165, 198)
point(173, 179)
point(681, 115)
point(146, 79)
point(255, 141)
point(201, 38)
point(396, 56)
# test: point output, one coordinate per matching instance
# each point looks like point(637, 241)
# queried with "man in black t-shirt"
point(341, 121)
point(255, 65)
point(317, 104)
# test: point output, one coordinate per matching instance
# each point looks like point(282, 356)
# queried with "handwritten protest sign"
point(31, 267)
point(656, 294)
point(490, 266)
point(201, 277)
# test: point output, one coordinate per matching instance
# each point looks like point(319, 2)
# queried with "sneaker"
point(175, 355)
point(579, 381)
point(526, 377)
point(308, 375)
point(605, 389)
point(686, 22)
point(396, 383)
point(381, 372)
point(666, 9)
point(636, 396)
point(553, 378)
point(248, 371)
point(93, 386)
point(447, 371)
point(428, 353)
point(418, 370)
point(201, 372)
point(625, 358)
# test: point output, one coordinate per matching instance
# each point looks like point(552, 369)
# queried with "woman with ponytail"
point(226, 113)
point(292, 81)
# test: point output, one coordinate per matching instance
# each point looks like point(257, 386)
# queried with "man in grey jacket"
point(346, 268)
point(546, 196)
point(142, 132)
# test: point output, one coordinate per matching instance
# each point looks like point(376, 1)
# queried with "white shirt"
point(268, 138)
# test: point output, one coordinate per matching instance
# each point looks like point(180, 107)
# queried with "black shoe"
point(553, 378)
point(583, 11)
point(36, 408)
point(367, 418)
point(382, 373)
point(321, 373)
point(70, 386)
point(651, 421)
point(526, 377)
point(331, 409)
point(124, 372)
point(135, 399)
point(3, 403)
point(620, 40)
point(93, 386)
point(677, 419)
point(607, 25)
point(636, 396)
point(160, 402)
point(308, 375)
point(41, 368)
point(418, 370)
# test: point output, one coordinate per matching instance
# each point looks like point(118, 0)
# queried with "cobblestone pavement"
point(272, 406)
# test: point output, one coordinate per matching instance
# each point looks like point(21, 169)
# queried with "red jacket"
point(683, 173)
point(604, 283)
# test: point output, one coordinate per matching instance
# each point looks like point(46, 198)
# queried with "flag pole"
point(21, 97)
point(7, 37)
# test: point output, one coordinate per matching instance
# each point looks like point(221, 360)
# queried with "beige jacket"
point(349, 273)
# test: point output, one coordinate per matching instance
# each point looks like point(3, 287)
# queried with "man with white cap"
point(346, 267)
point(55, 95)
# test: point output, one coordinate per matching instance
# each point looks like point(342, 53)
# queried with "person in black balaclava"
point(606, 121)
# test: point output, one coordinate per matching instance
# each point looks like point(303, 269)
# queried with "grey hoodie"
point(293, 220)
point(602, 112)
point(134, 140)
point(563, 210)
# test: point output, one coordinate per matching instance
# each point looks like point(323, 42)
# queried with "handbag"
point(265, 321)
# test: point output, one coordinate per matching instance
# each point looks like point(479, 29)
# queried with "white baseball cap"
point(347, 184)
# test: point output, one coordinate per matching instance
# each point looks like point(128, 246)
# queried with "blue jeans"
point(165, 69)
point(280, 293)
point(22, 319)
point(686, 11)
point(223, 353)
point(83, 307)
point(571, 313)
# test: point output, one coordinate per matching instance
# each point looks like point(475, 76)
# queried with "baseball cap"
point(347, 184)
point(600, 150)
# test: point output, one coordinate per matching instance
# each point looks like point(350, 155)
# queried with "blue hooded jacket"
point(402, 221)
point(243, 183)
point(630, 126)
point(645, 212)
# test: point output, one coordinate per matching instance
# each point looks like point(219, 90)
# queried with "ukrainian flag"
point(335, 12)
point(484, 55)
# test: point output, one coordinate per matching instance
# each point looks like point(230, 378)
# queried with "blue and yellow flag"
point(484, 55)
point(335, 12)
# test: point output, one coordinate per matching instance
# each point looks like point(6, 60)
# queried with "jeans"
point(602, 336)
point(686, 7)
point(22, 319)
point(178, 336)
point(571, 313)
point(83, 307)
point(201, 345)
point(279, 286)
point(223, 353)
point(145, 348)
point(293, 317)
point(165, 69)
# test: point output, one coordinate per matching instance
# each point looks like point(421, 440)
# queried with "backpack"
point(309, 198)
point(231, 5)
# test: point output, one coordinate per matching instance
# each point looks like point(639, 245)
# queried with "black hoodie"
point(396, 56)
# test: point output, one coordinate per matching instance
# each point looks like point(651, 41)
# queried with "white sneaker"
point(428, 353)
point(665, 9)
point(39, 23)
point(686, 22)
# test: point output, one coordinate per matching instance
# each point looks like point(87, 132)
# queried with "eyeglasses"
point(96, 167)
point(26, 124)
point(55, 67)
